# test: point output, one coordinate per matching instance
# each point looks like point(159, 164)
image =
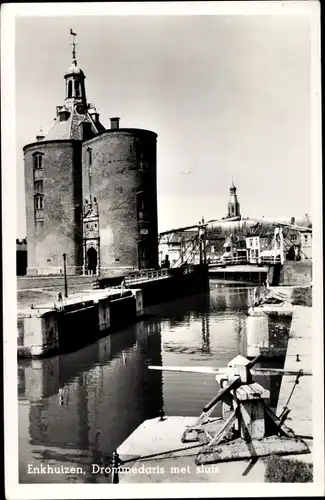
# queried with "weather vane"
point(73, 47)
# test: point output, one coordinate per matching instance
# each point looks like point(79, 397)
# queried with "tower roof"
point(74, 70)
point(75, 120)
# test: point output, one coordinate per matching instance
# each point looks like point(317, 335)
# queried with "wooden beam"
point(254, 361)
point(239, 449)
point(279, 371)
point(224, 429)
point(232, 385)
point(278, 422)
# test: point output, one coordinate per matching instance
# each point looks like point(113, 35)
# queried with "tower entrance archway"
point(91, 261)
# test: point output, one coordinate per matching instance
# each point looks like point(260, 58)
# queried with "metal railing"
point(145, 276)
point(229, 260)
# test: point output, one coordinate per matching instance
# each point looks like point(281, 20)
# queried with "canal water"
point(76, 409)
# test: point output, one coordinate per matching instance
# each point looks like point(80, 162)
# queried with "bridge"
point(195, 244)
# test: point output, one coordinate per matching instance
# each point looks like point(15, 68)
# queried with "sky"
point(228, 96)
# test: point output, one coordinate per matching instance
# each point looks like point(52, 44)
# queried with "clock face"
point(80, 109)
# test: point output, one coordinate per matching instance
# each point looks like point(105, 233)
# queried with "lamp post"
point(65, 275)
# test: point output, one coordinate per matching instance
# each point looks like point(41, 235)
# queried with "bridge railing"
point(145, 276)
point(229, 260)
point(244, 260)
point(271, 260)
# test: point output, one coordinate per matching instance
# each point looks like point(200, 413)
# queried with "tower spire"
point(74, 60)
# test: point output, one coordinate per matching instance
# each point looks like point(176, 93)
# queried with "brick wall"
point(296, 273)
point(61, 231)
point(117, 178)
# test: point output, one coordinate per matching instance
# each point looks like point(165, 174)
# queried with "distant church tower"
point(233, 204)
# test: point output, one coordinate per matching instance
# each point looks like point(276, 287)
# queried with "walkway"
point(300, 404)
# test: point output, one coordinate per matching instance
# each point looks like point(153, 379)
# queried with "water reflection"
point(75, 409)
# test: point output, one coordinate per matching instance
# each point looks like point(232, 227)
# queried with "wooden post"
point(65, 275)
point(115, 465)
point(250, 398)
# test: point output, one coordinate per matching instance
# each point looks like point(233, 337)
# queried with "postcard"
point(162, 249)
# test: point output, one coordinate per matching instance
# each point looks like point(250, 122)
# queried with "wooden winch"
point(248, 428)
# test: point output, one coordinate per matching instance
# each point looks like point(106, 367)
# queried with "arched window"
point(77, 88)
point(70, 88)
point(90, 157)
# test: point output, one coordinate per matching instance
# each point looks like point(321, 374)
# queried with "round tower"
point(53, 182)
point(53, 206)
point(120, 182)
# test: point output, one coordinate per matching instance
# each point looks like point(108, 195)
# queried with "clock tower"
point(233, 204)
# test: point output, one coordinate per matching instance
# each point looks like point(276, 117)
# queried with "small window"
point(90, 156)
point(70, 88)
point(39, 208)
point(38, 161)
point(143, 166)
point(293, 237)
point(140, 201)
point(39, 202)
point(38, 186)
point(77, 89)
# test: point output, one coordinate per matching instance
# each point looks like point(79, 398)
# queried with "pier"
point(50, 327)
point(240, 273)
point(165, 284)
point(46, 329)
point(297, 397)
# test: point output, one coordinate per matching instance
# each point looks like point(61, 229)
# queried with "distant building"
point(267, 243)
point(235, 249)
point(306, 241)
point(91, 192)
point(233, 204)
point(259, 242)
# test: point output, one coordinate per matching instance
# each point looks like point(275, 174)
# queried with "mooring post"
point(161, 415)
point(65, 275)
point(115, 467)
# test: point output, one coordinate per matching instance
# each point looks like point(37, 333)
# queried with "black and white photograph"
point(162, 243)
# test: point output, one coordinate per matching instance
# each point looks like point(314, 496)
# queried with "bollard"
point(115, 466)
point(297, 358)
point(161, 415)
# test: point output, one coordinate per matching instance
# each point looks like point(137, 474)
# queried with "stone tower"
point(91, 192)
point(233, 204)
point(53, 182)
